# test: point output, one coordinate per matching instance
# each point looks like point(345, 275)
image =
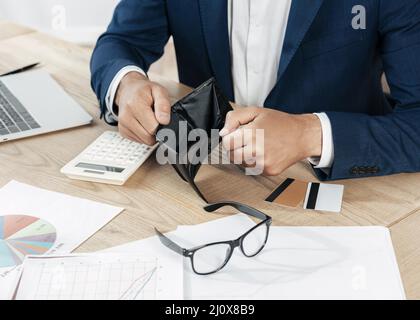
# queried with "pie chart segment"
point(49, 237)
point(6, 255)
point(21, 235)
point(37, 227)
point(18, 256)
point(26, 249)
point(1, 228)
point(31, 247)
point(13, 224)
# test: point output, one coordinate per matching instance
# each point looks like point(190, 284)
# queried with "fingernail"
point(223, 132)
point(164, 117)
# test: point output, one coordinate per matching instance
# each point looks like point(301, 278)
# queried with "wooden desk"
point(156, 196)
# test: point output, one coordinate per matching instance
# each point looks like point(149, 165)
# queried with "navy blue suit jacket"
point(326, 65)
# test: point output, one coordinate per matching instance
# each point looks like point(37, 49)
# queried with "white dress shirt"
point(257, 29)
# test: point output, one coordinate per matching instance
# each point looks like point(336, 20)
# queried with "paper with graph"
point(35, 221)
point(99, 277)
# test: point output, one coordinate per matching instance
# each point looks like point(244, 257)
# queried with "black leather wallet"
point(205, 108)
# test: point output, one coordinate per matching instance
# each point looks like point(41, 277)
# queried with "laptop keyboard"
point(14, 117)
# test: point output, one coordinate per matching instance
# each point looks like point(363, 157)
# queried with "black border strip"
point(313, 196)
point(280, 190)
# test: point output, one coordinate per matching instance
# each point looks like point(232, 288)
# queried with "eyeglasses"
point(213, 257)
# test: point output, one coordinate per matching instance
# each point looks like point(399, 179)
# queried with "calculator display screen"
point(92, 166)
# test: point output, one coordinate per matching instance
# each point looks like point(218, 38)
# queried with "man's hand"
point(288, 138)
point(143, 105)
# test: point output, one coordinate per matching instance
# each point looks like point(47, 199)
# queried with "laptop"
point(32, 103)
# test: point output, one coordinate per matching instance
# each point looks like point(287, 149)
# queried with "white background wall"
point(80, 21)
point(76, 20)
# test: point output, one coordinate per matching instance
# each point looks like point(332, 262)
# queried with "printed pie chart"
point(22, 235)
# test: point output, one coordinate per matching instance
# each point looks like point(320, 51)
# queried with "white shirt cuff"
point(113, 87)
point(327, 155)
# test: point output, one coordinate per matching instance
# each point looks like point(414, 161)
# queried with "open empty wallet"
point(205, 108)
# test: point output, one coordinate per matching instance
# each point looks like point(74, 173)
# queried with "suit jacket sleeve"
point(136, 36)
point(380, 145)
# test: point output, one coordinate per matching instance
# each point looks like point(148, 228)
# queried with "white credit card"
point(324, 197)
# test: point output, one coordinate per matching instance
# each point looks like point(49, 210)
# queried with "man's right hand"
point(143, 105)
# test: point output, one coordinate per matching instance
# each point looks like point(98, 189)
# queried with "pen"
point(26, 68)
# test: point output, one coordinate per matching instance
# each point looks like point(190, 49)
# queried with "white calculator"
point(110, 159)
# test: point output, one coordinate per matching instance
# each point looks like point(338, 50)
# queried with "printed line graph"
point(80, 278)
point(138, 286)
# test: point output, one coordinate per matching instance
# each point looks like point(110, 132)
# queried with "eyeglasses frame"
point(189, 253)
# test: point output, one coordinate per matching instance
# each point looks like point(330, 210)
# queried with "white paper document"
point(104, 276)
point(34, 221)
point(297, 262)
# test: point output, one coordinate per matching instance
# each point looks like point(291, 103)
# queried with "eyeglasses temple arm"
point(240, 207)
point(169, 243)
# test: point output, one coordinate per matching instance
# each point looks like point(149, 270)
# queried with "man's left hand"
point(288, 138)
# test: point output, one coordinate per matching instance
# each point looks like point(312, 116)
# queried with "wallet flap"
point(205, 108)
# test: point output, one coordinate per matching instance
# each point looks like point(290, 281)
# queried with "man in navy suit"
point(308, 72)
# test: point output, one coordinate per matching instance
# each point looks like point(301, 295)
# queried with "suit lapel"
point(302, 14)
point(215, 29)
point(214, 17)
